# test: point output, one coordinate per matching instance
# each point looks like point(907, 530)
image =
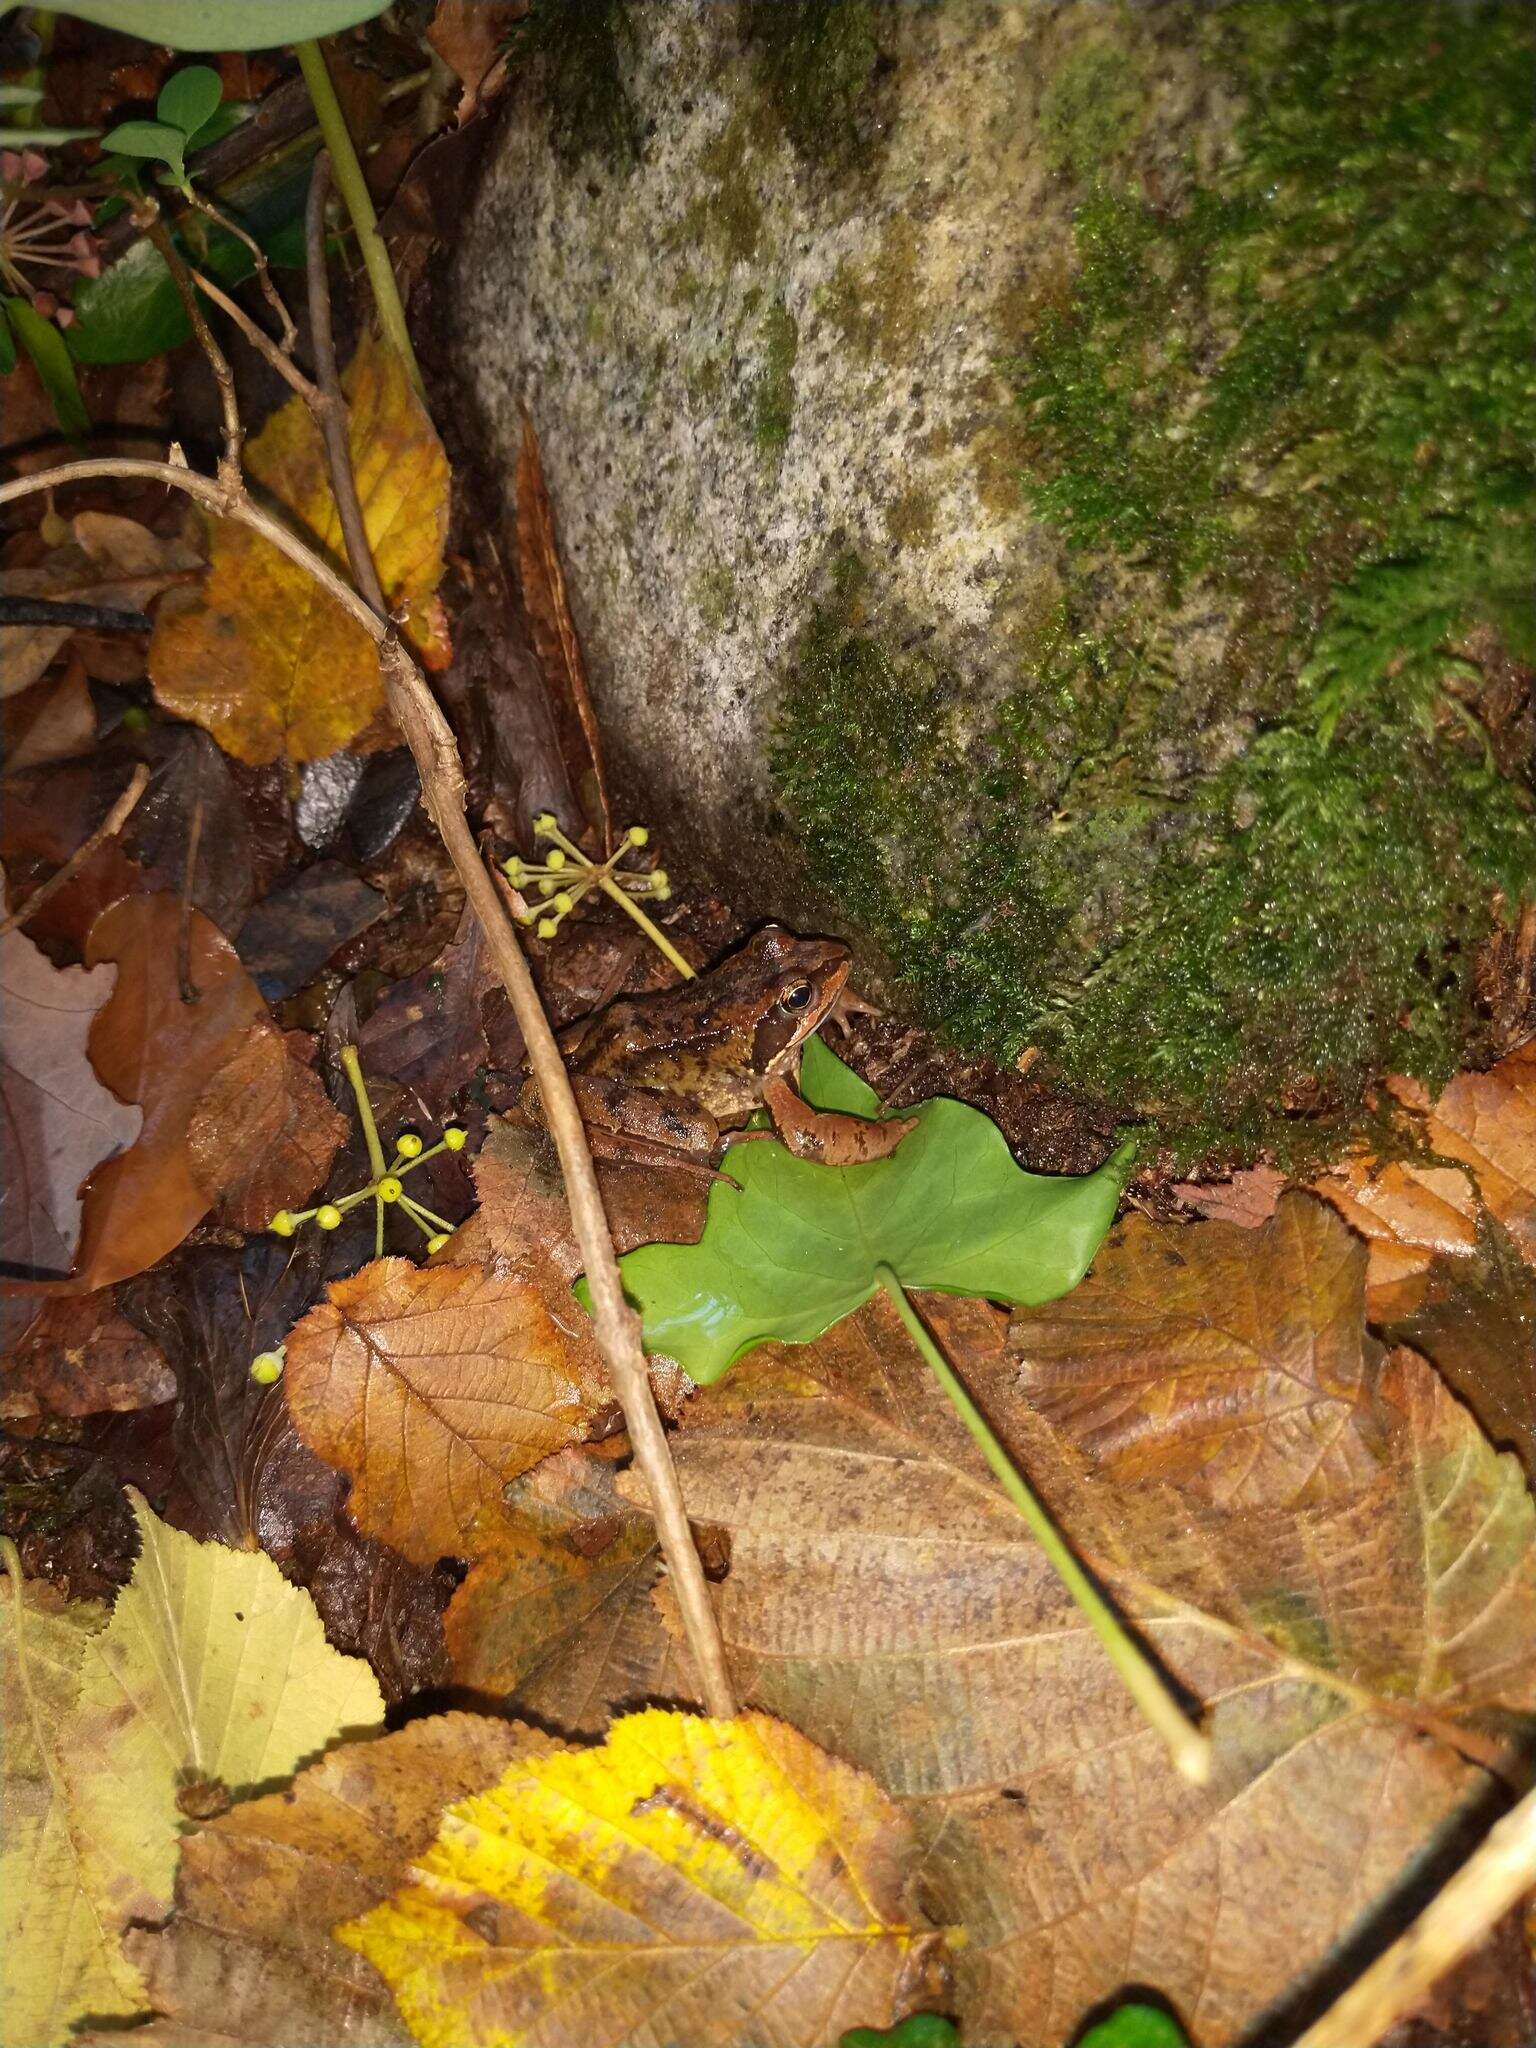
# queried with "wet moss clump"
point(579, 46)
point(1225, 888)
point(773, 396)
point(815, 60)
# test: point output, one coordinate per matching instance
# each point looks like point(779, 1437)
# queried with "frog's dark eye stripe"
point(796, 996)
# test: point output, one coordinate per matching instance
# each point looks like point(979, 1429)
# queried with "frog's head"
point(788, 984)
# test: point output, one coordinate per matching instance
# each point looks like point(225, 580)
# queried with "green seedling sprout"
point(386, 1188)
point(566, 874)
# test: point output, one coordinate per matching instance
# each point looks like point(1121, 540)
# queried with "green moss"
point(715, 595)
point(815, 60)
point(728, 216)
point(1225, 891)
point(579, 46)
point(877, 307)
point(773, 396)
point(1092, 110)
point(909, 519)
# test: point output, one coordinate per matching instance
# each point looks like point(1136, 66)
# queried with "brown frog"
point(665, 1078)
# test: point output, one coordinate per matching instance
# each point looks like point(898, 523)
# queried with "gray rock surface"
point(743, 360)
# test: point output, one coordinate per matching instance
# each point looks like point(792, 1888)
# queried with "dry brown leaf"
point(153, 1049)
point(260, 1889)
point(82, 1358)
point(470, 36)
point(263, 1133)
point(261, 657)
point(555, 639)
point(1247, 1198)
point(1409, 1216)
point(556, 1614)
point(108, 561)
point(53, 721)
point(1235, 1373)
point(57, 1121)
point(1489, 1122)
point(884, 1597)
point(433, 1387)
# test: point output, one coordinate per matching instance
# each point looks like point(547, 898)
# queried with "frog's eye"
point(796, 996)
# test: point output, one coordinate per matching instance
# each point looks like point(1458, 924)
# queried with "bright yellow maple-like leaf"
point(689, 1880)
point(260, 655)
point(57, 1959)
point(213, 1671)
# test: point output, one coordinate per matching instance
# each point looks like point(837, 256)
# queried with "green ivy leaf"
point(922, 2030)
point(45, 345)
point(189, 99)
point(1136, 2026)
point(225, 24)
point(792, 1247)
point(156, 140)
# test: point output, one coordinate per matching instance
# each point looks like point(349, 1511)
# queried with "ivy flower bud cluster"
point(566, 874)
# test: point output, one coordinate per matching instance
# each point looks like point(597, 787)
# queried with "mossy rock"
point(1050, 495)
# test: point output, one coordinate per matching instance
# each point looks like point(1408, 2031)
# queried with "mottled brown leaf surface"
point(57, 1119)
point(107, 560)
point(260, 1889)
point(152, 1048)
point(1409, 1216)
point(1489, 1122)
point(1237, 1373)
point(885, 1599)
point(80, 1357)
point(434, 1387)
point(263, 1132)
point(260, 656)
point(556, 1615)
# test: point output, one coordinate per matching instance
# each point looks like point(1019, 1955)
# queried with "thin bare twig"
point(1497, 1873)
point(269, 350)
point(234, 433)
point(269, 290)
point(431, 741)
point(113, 822)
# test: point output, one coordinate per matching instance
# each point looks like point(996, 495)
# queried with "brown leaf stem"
point(269, 291)
point(112, 823)
point(234, 433)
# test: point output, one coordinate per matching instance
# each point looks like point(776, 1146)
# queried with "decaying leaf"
point(714, 1882)
point(1236, 1373)
point(556, 1615)
point(154, 1049)
point(60, 1123)
point(107, 561)
point(470, 36)
point(432, 1387)
point(428, 1033)
point(53, 721)
point(80, 1357)
point(58, 1961)
point(555, 638)
point(261, 657)
point(1409, 1215)
point(212, 1668)
point(260, 1889)
point(1489, 1122)
point(1351, 1654)
point(263, 1132)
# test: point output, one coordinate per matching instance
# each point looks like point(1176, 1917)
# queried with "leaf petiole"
point(353, 1069)
point(1189, 1748)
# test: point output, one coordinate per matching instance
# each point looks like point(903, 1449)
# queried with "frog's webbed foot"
point(850, 1006)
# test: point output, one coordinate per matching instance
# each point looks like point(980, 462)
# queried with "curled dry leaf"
point(80, 1357)
point(470, 36)
point(57, 1960)
point(432, 1388)
point(260, 1889)
point(268, 663)
point(211, 1668)
point(263, 1133)
point(153, 1049)
point(1248, 1197)
point(714, 1882)
point(555, 1616)
point(108, 561)
point(1351, 1654)
point(59, 1121)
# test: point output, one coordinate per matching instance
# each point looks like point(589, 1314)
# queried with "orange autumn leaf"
point(1488, 1121)
point(263, 1133)
point(433, 1387)
point(263, 658)
point(1408, 1215)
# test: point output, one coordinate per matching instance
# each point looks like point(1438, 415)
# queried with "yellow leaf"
point(213, 1669)
point(260, 655)
point(57, 1960)
point(707, 1882)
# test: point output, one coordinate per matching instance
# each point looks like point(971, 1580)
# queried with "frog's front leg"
point(829, 1136)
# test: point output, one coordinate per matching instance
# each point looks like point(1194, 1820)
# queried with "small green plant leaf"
point(45, 345)
point(190, 99)
point(7, 346)
point(921, 2030)
point(156, 140)
point(791, 1247)
point(1136, 2026)
point(225, 24)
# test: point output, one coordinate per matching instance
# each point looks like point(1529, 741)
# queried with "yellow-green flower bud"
point(548, 926)
point(328, 1216)
point(660, 883)
point(514, 871)
point(638, 836)
point(267, 1368)
point(408, 1145)
point(455, 1137)
point(389, 1189)
point(283, 1224)
point(544, 822)
point(556, 858)
point(563, 902)
point(436, 1243)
